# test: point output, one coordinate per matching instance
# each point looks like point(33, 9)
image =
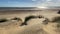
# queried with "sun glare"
point(41, 7)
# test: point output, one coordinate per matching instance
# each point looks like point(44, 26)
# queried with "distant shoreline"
point(29, 8)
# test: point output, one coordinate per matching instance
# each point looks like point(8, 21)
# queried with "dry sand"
point(35, 26)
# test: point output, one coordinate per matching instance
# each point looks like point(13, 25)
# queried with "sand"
point(35, 26)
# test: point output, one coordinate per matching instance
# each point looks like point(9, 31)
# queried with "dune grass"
point(46, 21)
point(3, 20)
point(59, 12)
point(56, 19)
point(16, 18)
point(27, 18)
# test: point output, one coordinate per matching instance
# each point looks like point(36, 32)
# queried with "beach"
point(34, 26)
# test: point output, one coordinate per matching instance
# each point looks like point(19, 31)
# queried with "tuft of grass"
point(59, 12)
point(16, 18)
point(56, 19)
point(3, 20)
point(46, 21)
point(58, 25)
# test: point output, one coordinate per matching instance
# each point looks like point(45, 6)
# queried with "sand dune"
point(35, 26)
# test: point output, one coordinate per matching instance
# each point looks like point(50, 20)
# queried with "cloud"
point(50, 3)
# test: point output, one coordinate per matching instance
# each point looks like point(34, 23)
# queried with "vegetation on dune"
point(30, 17)
point(58, 25)
point(3, 20)
point(16, 18)
point(59, 12)
point(56, 19)
point(46, 21)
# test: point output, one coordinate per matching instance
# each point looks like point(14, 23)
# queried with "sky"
point(28, 3)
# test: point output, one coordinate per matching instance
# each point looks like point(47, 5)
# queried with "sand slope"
point(35, 26)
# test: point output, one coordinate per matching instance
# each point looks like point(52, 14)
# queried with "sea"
point(18, 8)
